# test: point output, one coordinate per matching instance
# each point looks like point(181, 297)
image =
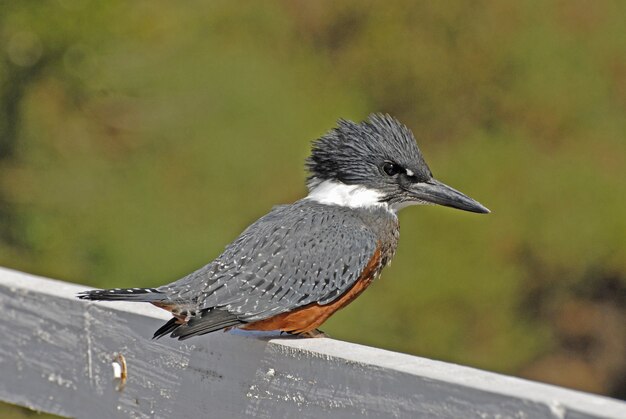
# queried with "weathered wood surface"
point(56, 355)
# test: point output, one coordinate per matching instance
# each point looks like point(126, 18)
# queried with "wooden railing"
point(65, 356)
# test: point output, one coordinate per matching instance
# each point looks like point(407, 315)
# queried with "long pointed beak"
point(439, 193)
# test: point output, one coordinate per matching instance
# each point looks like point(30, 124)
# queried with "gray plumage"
point(355, 153)
point(311, 251)
point(295, 255)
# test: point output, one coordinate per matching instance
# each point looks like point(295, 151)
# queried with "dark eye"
point(392, 169)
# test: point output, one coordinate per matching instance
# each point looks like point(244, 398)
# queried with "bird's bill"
point(439, 193)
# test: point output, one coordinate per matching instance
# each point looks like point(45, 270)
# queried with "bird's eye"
point(392, 169)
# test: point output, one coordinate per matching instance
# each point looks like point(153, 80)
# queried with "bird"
point(293, 268)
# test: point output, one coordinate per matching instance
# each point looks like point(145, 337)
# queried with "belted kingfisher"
point(294, 267)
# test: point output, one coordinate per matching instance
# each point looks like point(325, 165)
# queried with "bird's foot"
point(315, 333)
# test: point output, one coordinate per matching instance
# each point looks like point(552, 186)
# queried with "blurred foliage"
point(9, 411)
point(138, 138)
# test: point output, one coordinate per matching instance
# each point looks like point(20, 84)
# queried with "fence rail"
point(64, 356)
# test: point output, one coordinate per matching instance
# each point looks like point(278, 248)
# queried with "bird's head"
point(377, 163)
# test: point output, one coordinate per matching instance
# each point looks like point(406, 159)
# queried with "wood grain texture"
point(56, 355)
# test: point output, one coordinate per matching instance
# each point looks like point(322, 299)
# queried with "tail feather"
point(168, 327)
point(124, 294)
point(208, 320)
point(182, 325)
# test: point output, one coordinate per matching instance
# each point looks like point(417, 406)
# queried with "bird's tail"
point(186, 322)
point(124, 294)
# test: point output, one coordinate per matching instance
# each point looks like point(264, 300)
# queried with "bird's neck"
point(331, 192)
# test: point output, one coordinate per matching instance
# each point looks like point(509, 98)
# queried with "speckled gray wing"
point(293, 256)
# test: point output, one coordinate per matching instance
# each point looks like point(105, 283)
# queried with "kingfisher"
point(294, 267)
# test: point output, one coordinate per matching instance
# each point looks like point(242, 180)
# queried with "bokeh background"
point(138, 138)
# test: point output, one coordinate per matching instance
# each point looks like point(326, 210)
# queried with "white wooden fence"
point(62, 355)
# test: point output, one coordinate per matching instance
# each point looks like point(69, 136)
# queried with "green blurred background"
point(138, 138)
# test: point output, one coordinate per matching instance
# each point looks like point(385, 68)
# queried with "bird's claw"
point(315, 333)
